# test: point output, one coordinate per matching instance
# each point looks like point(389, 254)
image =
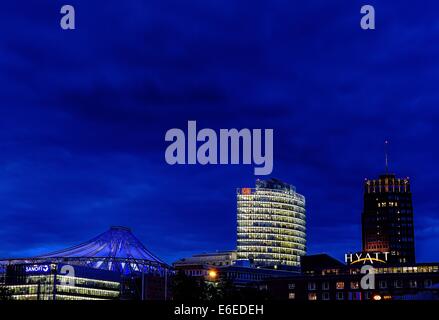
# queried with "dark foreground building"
point(113, 265)
point(222, 266)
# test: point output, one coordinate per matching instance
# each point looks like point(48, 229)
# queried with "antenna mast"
point(386, 143)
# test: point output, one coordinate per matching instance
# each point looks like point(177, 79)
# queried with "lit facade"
point(113, 265)
point(325, 278)
point(387, 218)
point(219, 258)
point(50, 282)
point(271, 225)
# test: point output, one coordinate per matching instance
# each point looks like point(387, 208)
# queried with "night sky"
point(84, 113)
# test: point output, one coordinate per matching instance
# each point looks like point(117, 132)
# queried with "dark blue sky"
point(84, 113)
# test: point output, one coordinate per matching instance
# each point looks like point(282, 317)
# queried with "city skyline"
point(39, 250)
point(85, 113)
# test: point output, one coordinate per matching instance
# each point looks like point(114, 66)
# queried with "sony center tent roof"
point(116, 249)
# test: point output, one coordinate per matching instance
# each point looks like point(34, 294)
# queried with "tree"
point(186, 288)
point(192, 289)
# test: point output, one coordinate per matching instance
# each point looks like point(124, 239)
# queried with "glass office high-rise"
point(271, 224)
point(387, 218)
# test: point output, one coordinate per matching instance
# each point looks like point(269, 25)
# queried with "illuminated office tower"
point(387, 218)
point(271, 225)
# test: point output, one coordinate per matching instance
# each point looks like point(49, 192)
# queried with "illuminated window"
point(312, 296)
point(271, 226)
point(291, 296)
point(339, 285)
point(355, 285)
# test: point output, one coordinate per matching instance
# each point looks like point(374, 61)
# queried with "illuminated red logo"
point(246, 191)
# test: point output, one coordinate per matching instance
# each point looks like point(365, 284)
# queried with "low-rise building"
point(325, 278)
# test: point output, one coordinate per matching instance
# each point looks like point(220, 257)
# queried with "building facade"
point(387, 219)
point(325, 278)
point(113, 265)
point(48, 281)
point(239, 276)
point(271, 225)
point(219, 258)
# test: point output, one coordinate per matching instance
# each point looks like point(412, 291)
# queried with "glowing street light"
point(213, 274)
point(377, 297)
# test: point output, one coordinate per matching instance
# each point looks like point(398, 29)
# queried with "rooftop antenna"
point(386, 143)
